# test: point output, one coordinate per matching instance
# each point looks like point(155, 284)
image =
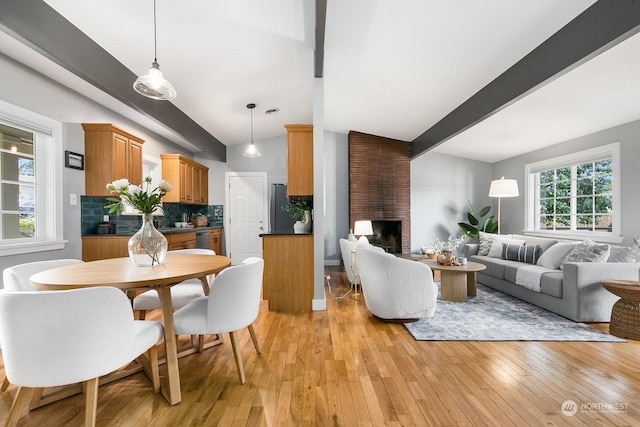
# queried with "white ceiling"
point(392, 69)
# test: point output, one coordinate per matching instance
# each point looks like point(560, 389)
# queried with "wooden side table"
point(625, 315)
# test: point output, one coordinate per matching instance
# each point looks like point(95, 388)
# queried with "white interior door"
point(247, 213)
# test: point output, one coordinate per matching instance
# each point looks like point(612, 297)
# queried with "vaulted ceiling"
point(405, 69)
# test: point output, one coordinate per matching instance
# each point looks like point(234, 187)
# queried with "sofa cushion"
point(495, 266)
point(496, 246)
point(511, 270)
point(552, 257)
point(486, 240)
point(588, 251)
point(624, 254)
point(544, 243)
point(522, 253)
point(551, 284)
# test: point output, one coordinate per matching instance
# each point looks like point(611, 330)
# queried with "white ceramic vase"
point(299, 227)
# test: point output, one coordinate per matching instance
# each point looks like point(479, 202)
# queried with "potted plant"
point(476, 225)
point(299, 210)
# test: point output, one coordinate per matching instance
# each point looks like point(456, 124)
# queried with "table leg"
point(172, 394)
point(471, 284)
point(453, 286)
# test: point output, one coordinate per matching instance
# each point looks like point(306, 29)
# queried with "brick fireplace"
point(379, 186)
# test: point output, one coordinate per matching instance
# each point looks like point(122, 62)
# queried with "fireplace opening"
point(388, 235)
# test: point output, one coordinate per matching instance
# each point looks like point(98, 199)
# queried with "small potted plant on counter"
point(299, 210)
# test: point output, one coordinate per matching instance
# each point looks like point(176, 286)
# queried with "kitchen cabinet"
point(215, 240)
point(109, 154)
point(288, 272)
point(104, 247)
point(190, 180)
point(299, 160)
point(181, 240)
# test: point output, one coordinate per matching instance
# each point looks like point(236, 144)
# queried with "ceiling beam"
point(40, 27)
point(321, 20)
point(601, 26)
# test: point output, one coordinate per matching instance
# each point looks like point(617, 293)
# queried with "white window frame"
point(49, 181)
point(530, 169)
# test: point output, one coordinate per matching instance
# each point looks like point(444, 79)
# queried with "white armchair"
point(181, 294)
point(55, 338)
point(395, 289)
point(233, 304)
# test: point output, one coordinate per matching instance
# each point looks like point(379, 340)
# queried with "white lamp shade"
point(252, 151)
point(504, 188)
point(363, 228)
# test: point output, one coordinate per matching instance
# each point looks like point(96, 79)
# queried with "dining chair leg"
point(20, 406)
point(5, 384)
point(253, 338)
point(91, 405)
point(142, 314)
point(155, 371)
point(238, 357)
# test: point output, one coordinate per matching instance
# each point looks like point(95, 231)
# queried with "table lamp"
point(362, 229)
point(503, 188)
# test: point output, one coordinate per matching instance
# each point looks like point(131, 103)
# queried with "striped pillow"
point(522, 253)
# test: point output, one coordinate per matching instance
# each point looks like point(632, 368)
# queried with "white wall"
point(628, 135)
point(441, 187)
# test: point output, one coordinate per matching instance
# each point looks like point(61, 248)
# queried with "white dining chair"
point(55, 338)
point(16, 278)
point(181, 294)
point(233, 303)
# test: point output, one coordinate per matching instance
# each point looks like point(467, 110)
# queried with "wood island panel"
point(288, 272)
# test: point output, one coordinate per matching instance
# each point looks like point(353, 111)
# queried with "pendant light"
point(251, 150)
point(153, 85)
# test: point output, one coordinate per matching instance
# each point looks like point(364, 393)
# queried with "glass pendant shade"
point(153, 85)
point(252, 151)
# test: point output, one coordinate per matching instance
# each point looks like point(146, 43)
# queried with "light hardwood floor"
point(342, 367)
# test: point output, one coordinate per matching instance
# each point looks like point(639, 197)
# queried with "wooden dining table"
point(123, 274)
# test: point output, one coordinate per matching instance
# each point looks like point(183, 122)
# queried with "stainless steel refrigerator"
point(281, 221)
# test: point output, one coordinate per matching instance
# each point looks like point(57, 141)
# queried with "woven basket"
point(199, 221)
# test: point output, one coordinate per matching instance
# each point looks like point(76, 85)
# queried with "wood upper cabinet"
point(109, 154)
point(190, 180)
point(299, 160)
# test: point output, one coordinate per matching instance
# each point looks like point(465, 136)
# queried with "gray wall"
point(629, 137)
point(23, 87)
point(441, 186)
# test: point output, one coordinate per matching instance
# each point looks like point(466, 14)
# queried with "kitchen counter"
point(285, 234)
point(167, 230)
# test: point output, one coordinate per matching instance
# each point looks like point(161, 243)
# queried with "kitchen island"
point(288, 271)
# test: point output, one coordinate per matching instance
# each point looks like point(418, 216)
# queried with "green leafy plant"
point(143, 198)
point(296, 209)
point(476, 223)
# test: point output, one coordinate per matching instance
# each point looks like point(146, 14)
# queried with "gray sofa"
point(574, 291)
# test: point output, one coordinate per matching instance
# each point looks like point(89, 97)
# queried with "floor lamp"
point(362, 229)
point(503, 188)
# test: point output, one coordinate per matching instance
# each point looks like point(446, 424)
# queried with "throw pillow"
point(624, 254)
point(552, 257)
point(486, 240)
point(496, 246)
point(522, 253)
point(588, 251)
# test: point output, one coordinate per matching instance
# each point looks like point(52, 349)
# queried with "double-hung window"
point(576, 195)
point(30, 182)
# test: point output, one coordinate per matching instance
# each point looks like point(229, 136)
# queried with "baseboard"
point(332, 262)
point(319, 304)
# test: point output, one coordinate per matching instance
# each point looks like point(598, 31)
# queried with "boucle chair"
point(55, 338)
point(395, 289)
point(181, 294)
point(233, 304)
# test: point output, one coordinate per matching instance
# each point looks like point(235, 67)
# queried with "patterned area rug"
point(494, 316)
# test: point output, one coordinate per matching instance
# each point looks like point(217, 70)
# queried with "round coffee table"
point(625, 314)
point(457, 282)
